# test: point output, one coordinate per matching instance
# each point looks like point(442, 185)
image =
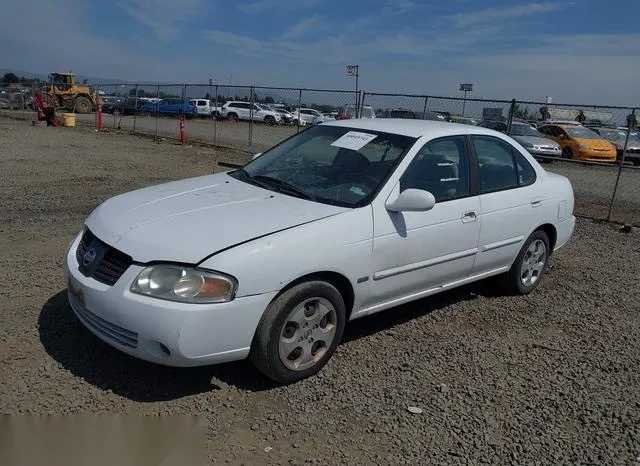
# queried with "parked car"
point(124, 107)
point(205, 107)
point(463, 120)
point(413, 115)
point(286, 116)
point(528, 136)
point(618, 137)
point(349, 112)
point(343, 220)
point(169, 107)
point(309, 115)
point(580, 143)
point(238, 110)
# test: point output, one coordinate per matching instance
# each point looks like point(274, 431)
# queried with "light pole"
point(353, 70)
point(467, 87)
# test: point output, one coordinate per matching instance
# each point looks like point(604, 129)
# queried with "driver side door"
point(418, 252)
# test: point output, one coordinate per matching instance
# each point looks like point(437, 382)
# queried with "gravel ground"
point(547, 379)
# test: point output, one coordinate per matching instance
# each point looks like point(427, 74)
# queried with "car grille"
point(113, 264)
point(549, 148)
point(106, 329)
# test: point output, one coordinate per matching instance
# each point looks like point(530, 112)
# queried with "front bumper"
point(597, 156)
point(164, 332)
point(545, 152)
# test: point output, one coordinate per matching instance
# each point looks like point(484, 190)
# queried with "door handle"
point(470, 216)
point(536, 202)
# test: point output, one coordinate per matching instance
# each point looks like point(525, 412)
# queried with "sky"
point(581, 51)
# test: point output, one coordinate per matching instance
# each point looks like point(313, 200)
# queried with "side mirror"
point(256, 156)
point(412, 200)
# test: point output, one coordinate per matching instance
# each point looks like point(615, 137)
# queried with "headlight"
point(583, 146)
point(184, 284)
point(528, 145)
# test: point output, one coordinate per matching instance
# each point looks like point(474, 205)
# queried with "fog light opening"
point(159, 350)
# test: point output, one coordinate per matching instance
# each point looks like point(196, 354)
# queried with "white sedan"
point(341, 221)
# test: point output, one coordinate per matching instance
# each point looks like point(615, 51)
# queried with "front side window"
point(496, 164)
point(330, 164)
point(440, 167)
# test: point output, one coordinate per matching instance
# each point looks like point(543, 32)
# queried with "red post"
point(183, 134)
point(99, 102)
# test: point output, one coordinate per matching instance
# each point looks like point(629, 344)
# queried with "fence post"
point(157, 107)
point(512, 109)
point(95, 116)
point(359, 109)
point(252, 95)
point(631, 123)
point(215, 118)
point(424, 108)
point(298, 111)
point(135, 110)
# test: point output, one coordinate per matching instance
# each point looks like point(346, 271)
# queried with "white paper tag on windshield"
point(354, 140)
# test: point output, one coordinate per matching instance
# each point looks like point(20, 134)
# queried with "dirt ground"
point(551, 378)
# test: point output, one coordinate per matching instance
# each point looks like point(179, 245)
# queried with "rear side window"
point(498, 166)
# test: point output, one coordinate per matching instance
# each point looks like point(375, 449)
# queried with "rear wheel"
point(299, 332)
point(567, 153)
point(530, 265)
point(232, 116)
point(82, 104)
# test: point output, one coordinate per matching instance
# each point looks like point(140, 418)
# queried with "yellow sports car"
point(580, 143)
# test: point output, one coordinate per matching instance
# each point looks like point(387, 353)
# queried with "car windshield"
point(525, 130)
point(615, 135)
point(329, 164)
point(582, 133)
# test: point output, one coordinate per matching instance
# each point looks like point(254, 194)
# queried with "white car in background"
point(238, 110)
point(309, 115)
point(340, 221)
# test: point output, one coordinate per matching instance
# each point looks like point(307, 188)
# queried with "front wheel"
point(82, 104)
point(530, 266)
point(270, 120)
point(299, 332)
point(567, 153)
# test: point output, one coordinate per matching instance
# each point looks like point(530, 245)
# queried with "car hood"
point(188, 220)
point(537, 141)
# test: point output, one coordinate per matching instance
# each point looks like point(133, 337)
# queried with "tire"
point(232, 116)
point(567, 153)
point(286, 328)
point(534, 257)
point(82, 104)
point(270, 120)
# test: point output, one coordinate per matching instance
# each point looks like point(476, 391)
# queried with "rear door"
point(509, 204)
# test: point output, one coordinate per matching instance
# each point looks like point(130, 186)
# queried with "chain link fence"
point(252, 119)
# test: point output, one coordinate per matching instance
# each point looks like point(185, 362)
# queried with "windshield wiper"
point(283, 186)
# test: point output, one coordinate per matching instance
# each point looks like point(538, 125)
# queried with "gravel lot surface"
point(547, 379)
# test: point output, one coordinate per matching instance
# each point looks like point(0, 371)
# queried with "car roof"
point(412, 128)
